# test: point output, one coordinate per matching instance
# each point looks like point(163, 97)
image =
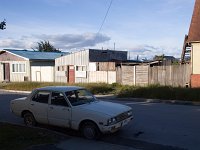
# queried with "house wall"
point(42, 71)
point(80, 58)
point(195, 58)
point(1, 72)
point(107, 55)
point(195, 76)
point(16, 76)
point(19, 77)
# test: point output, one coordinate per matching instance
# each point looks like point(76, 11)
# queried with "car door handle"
point(32, 104)
point(51, 107)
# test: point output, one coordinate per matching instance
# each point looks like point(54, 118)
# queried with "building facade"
point(88, 66)
point(24, 65)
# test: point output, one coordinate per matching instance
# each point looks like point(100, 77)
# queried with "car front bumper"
point(115, 127)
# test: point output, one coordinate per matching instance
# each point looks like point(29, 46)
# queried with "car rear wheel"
point(90, 131)
point(29, 119)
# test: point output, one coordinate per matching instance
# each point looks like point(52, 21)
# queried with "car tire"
point(29, 119)
point(90, 131)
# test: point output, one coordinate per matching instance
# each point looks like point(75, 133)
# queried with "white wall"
point(196, 58)
point(102, 76)
point(1, 72)
point(19, 77)
point(80, 58)
point(42, 73)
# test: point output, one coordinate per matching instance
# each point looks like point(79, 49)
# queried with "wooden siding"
point(19, 77)
point(102, 77)
point(106, 66)
point(128, 75)
point(142, 75)
point(173, 75)
point(10, 57)
point(176, 75)
point(42, 71)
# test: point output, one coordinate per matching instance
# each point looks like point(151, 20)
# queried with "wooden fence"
point(173, 75)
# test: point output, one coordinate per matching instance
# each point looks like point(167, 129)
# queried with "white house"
point(24, 65)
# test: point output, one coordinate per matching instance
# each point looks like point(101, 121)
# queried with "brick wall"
point(195, 80)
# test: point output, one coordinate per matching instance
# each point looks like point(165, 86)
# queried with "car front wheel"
point(29, 119)
point(90, 131)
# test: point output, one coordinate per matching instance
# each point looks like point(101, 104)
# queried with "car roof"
point(60, 88)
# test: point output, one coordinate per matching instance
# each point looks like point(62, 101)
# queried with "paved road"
point(156, 125)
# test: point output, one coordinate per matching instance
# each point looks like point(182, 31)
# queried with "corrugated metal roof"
point(35, 55)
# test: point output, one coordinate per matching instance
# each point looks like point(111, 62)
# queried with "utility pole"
point(3, 25)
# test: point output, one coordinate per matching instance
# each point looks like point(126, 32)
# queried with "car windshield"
point(79, 97)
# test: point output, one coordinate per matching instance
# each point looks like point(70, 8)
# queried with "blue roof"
point(36, 55)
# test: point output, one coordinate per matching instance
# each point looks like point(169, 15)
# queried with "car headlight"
point(111, 121)
point(130, 113)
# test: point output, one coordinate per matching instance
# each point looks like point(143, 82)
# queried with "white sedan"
point(72, 107)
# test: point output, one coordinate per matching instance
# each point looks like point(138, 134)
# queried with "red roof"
point(194, 31)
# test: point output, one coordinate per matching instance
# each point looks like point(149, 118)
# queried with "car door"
point(59, 112)
point(39, 106)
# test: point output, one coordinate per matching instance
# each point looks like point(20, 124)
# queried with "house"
point(192, 46)
point(87, 66)
point(25, 65)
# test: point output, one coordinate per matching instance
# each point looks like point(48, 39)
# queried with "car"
point(72, 107)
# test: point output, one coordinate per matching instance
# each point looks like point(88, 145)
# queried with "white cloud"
point(61, 41)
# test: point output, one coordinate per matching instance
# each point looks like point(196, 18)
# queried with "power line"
point(105, 17)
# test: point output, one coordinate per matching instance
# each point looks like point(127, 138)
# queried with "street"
point(155, 125)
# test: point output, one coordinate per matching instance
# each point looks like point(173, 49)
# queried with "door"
point(71, 74)
point(39, 106)
point(6, 70)
point(59, 112)
point(38, 76)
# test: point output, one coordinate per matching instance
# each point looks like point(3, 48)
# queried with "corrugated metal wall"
point(80, 58)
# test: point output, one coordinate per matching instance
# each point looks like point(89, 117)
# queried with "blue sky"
point(143, 27)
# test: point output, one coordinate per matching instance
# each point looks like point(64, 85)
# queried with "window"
point(41, 97)
point(58, 99)
point(80, 68)
point(18, 68)
point(79, 97)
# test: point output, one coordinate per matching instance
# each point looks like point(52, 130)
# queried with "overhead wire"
point(104, 19)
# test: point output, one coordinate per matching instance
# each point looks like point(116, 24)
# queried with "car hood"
point(108, 108)
point(22, 98)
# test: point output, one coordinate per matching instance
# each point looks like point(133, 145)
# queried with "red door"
point(6, 69)
point(71, 74)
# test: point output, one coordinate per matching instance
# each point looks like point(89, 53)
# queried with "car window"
point(79, 97)
point(41, 97)
point(58, 99)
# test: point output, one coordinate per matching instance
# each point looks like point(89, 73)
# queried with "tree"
point(3, 25)
point(45, 46)
point(159, 57)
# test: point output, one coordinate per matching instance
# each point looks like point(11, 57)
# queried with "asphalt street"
point(155, 125)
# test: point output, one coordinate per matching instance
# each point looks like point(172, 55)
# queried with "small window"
point(41, 97)
point(18, 68)
point(58, 99)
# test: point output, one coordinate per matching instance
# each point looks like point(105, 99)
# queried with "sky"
point(143, 27)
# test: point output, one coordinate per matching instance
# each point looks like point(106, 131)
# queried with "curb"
point(114, 97)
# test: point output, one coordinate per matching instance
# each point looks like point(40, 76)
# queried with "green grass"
point(13, 137)
point(161, 92)
point(100, 88)
point(122, 91)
